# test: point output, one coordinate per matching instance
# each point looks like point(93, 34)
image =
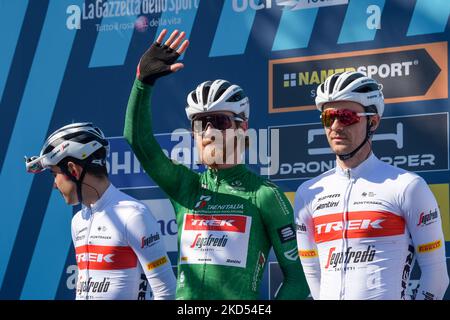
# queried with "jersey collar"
point(363, 169)
point(104, 200)
point(227, 174)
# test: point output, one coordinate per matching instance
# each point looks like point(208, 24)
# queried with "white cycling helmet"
point(351, 86)
point(218, 95)
point(77, 140)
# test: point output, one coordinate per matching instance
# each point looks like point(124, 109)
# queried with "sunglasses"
point(346, 117)
point(217, 121)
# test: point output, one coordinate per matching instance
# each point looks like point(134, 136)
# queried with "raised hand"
point(159, 60)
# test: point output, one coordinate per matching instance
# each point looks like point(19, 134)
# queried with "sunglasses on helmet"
point(346, 117)
point(217, 121)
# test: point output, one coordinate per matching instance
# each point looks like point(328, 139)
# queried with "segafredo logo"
point(428, 218)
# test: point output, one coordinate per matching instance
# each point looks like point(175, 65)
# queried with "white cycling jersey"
point(359, 231)
point(119, 251)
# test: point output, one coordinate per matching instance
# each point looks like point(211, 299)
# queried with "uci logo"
point(202, 203)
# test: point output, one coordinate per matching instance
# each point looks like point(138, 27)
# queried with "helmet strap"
point(78, 182)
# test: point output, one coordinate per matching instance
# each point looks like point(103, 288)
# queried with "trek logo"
point(351, 225)
point(230, 223)
point(149, 241)
point(358, 224)
point(429, 218)
point(94, 257)
point(349, 256)
point(203, 202)
point(210, 241)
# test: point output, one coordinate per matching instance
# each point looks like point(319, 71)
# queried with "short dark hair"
point(97, 170)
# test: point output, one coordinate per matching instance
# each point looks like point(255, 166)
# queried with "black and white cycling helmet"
point(351, 86)
point(77, 140)
point(218, 95)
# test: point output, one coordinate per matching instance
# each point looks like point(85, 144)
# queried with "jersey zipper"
point(215, 176)
point(91, 218)
point(344, 245)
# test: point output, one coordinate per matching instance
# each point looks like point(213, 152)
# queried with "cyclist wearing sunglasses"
point(228, 217)
point(362, 224)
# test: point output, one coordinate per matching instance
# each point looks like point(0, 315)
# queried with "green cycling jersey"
point(227, 219)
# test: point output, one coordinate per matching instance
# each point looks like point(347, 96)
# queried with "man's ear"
point(374, 122)
point(244, 125)
point(74, 169)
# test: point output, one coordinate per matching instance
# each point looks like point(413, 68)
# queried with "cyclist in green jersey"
point(228, 217)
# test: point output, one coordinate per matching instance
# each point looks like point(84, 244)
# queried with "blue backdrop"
point(66, 61)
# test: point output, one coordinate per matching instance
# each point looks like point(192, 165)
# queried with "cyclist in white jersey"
point(361, 225)
point(119, 251)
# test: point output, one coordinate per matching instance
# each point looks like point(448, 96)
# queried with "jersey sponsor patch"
point(95, 257)
point(359, 224)
point(307, 253)
point(219, 239)
point(428, 247)
point(286, 233)
point(157, 263)
point(426, 219)
point(199, 222)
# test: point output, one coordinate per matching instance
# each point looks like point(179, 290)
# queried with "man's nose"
point(336, 125)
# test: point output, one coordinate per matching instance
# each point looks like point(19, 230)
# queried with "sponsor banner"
point(360, 224)
point(105, 257)
point(292, 5)
point(399, 141)
point(125, 170)
point(408, 73)
point(215, 239)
